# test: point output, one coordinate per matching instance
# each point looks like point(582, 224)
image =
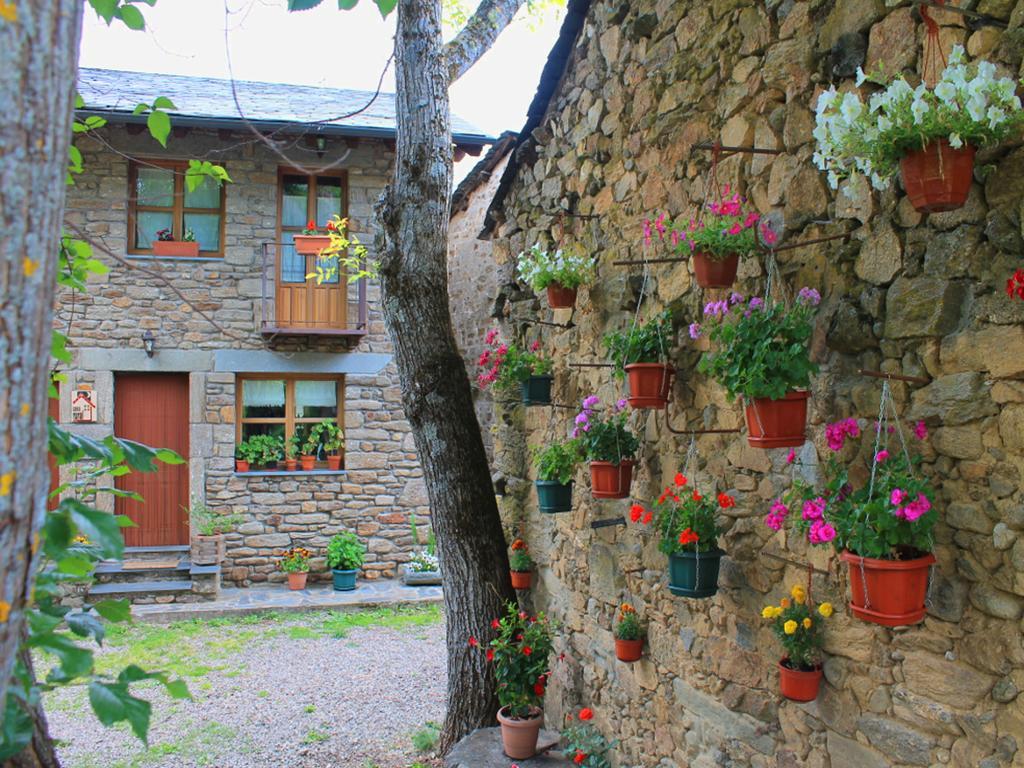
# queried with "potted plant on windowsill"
point(928, 135)
point(583, 744)
point(291, 449)
point(208, 529)
point(314, 239)
point(641, 354)
point(629, 635)
point(345, 555)
point(506, 366)
point(328, 436)
point(166, 245)
point(424, 567)
point(245, 456)
point(762, 355)
point(267, 450)
point(610, 447)
point(560, 273)
point(800, 629)
point(556, 465)
point(521, 565)
point(295, 564)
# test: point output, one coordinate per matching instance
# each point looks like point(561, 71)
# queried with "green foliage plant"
point(295, 560)
point(267, 449)
point(519, 653)
point(325, 434)
point(557, 462)
point(519, 560)
point(584, 744)
point(345, 552)
point(206, 522)
point(246, 451)
point(604, 434)
point(627, 627)
point(645, 343)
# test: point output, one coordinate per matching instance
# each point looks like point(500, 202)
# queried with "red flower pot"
point(521, 579)
point(175, 248)
point(629, 650)
point(611, 481)
point(715, 273)
point(297, 581)
point(334, 461)
point(561, 298)
point(308, 463)
point(649, 384)
point(291, 465)
point(938, 177)
point(519, 737)
point(888, 592)
point(311, 244)
point(797, 684)
point(241, 466)
point(777, 423)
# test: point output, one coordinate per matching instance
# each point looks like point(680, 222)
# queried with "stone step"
point(166, 552)
point(482, 749)
point(110, 572)
point(143, 591)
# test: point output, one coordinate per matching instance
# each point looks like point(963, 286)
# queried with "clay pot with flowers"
point(641, 355)
point(629, 635)
point(521, 565)
point(519, 654)
point(583, 743)
point(560, 273)
point(800, 629)
point(166, 245)
point(295, 563)
point(761, 353)
point(609, 445)
point(314, 239)
point(505, 367)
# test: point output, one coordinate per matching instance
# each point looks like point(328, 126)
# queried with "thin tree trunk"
point(435, 388)
point(39, 753)
point(38, 67)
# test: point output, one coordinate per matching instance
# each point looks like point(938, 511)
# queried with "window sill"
point(154, 257)
point(293, 473)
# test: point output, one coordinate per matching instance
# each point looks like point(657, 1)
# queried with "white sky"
point(325, 47)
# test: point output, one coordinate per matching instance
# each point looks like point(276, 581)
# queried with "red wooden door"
point(153, 409)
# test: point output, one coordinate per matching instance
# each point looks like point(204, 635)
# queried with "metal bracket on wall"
point(711, 146)
point(608, 522)
point(674, 431)
point(975, 18)
point(797, 564)
point(590, 365)
point(570, 324)
point(894, 377)
point(679, 259)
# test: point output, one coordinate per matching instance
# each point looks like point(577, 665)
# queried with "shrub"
point(520, 654)
point(345, 552)
point(645, 343)
point(206, 522)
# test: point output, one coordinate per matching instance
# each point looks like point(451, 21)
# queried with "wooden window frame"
point(177, 209)
point(282, 171)
point(289, 420)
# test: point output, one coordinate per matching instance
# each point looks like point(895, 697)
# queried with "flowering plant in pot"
point(629, 635)
point(166, 245)
point(345, 555)
point(314, 239)
point(507, 366)
point(292, 449)
point(245, 455)
point(928, 135)
point(556, 464)
point(584, 744)
point(424, 567)
point(561, 273)
point(609, 445)
point(295, 563)
point(521, 565)
point(762, 355)
point(800, 629)
point(641, 354)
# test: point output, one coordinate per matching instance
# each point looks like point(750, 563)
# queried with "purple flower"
point(735, 298)
point(791, 456)
point(836, 434)
point(756, 303)
point(920, 430)
point(897, 496)
point(582, 418)
point(621, 404)
point(814, 509)
point(917, 508)
point(809, 297)
point(773, 522)
point(694, 330)
point(590, 402)
point(821, 532)
point(716, 308)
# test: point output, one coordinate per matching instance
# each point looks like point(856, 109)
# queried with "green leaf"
point(85, 625)
point(113, 703)
point(114, 610)
point(101, 528)
point(140, 109)
point(167, 456)
point(75, 661)
point(347, 5)
point(74, 566)
point(302, 5)
point(386, 7)
point(132, 17)
point(58, 347)
point(105, 9)
point(159, 124)
point(17, 727)
point(162, 102)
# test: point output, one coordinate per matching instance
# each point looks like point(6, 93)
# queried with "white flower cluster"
point(424, 562)
point(969, 105)
point(540, 268)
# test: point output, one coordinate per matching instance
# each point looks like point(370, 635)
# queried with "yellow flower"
point(6, 481)
point(776, 612)
point(768, 612)
point(826, 609)
point(784, 602)
point(798, 594)
point(807, 623)
point(789, 627)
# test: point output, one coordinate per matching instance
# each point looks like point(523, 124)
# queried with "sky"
point(323, 47)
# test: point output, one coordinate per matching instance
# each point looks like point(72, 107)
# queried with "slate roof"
point(481, 172)
point(209, 102)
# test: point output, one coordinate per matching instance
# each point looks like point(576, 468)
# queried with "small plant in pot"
point(424, 567)
point(267, 450)
point(629, 635)
point(295, 564)
point(556, 464)
point(761, 353)
point(641, 354)
point(610, 447)
point(208, 529)
point(345, 554)
point(292, 448)
point(800, 629)
point(328, 436)
point(166, 245)
point(245, 456)
point(521, 565)
point(560, 273)
point(314, 239)
point(504, 367)
point(584, 744)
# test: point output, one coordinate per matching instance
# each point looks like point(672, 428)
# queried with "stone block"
point(949, 682)
point(954, 399)
point(902, 744)
point(922, 306)
point(847, 753)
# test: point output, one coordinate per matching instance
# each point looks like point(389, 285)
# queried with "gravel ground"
point(278, 692)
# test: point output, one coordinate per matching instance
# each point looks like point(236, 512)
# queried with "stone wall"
point(917, 295)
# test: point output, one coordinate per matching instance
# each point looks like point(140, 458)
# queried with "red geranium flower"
point(688, 537)
point(635, 513)
point(647, 518)
point(495, 624)
point(580, 757)
point(310, 224)
point(538, 689)
point(586, 714)
point(697, 496)
point(490, 654)
point(473, 642)
point(527, 650)
point(680, 479)
point(725, 501)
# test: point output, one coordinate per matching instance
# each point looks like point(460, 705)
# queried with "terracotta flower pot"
point(521, 579)
point(611, 481)
point(629, 650)
point(175, 248)
point(311, 244)
point(308, 463)
point(241, 466)
point(650, 384)
point(888, 592)
point(798, 684)
point(777, 423)
point(519, 737)
point(334, 462)
point(715, 273)
point(291, 465)
point(297, 581)
point(561, 298)
point(938, 177)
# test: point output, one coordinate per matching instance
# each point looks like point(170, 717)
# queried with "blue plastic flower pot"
point(344, 581)
point(552, 496)
point(537, 390)
point(693, 574)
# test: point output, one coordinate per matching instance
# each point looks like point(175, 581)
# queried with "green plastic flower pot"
point(344, 581)
point(552, 496)
point(537, 390)
point(692, 574)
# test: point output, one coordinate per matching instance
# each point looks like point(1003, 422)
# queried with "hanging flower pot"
point(650, 384)
point(715, 273)
point(694, 574)
point(521, 579)
point(888, 592)
point(777, 423)
point(311, 245)
point(537, 390)
point(799, 684)
point(297, 581)
point(519, 736)
point(611, 481)
point(629, 650)
point(938, 177)
point(561, 298)
point(553, 496)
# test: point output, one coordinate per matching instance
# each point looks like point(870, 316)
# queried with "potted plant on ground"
point(521, 565)
point(629, 635)
point(687, 524)
point(928, 135)
point(507, 366)
point(762, 355)
point(292, 447)
point(583, 744)
point(245, 456)
point(267, 450)
point(208, 529)
point(561, 273)
point(295, 563)
point(166, 245)
point(800, 629)
point(520, 654)
point(345, 554)
point(610, 447)
point(328, 436)
point(641, 354)
point(556, 464)
point(424, 567)
point(314, 239)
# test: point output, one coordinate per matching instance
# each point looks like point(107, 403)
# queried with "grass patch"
point(315, 736)
point(201, 744)
point(425, 739)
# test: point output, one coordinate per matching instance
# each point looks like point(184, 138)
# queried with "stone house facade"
point(239, 342)
point(633, 90)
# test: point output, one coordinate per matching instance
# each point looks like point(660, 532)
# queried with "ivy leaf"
point(385, 7)
point(159, 124)
point(114, 610)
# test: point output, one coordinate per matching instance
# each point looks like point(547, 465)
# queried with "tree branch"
point(476, 38)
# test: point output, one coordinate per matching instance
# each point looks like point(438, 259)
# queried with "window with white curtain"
point(274, 404)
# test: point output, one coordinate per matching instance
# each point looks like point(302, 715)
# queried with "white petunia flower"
point(956, 56)
point(946, 93)
point(861, 77)
point(919, 108)
point(955, 141)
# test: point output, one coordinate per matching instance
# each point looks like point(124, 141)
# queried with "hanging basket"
point(799, 684)
point(777, 423)
point(715, 273)
point(629, 650)
point(692, 574)
point(553, 497)
point(938, 177)
point(311, 245)
point(521, 579)
point(611, 481)
point(888, 592)
point(561, 298)
point(650, 384)
point(537, 390)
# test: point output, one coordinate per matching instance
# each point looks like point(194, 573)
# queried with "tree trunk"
point(38, 67)
point(39, 753)
point(435, 387)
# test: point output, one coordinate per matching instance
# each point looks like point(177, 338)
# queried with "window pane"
point(206, 227)
point(206, 195)
point(316, 399)
point(328, 199)
point(293, 265)
point(294, 201)
point(326, 263)
point(248, 430)
point(262, 399)
point(155, 186)
point(147, 224)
